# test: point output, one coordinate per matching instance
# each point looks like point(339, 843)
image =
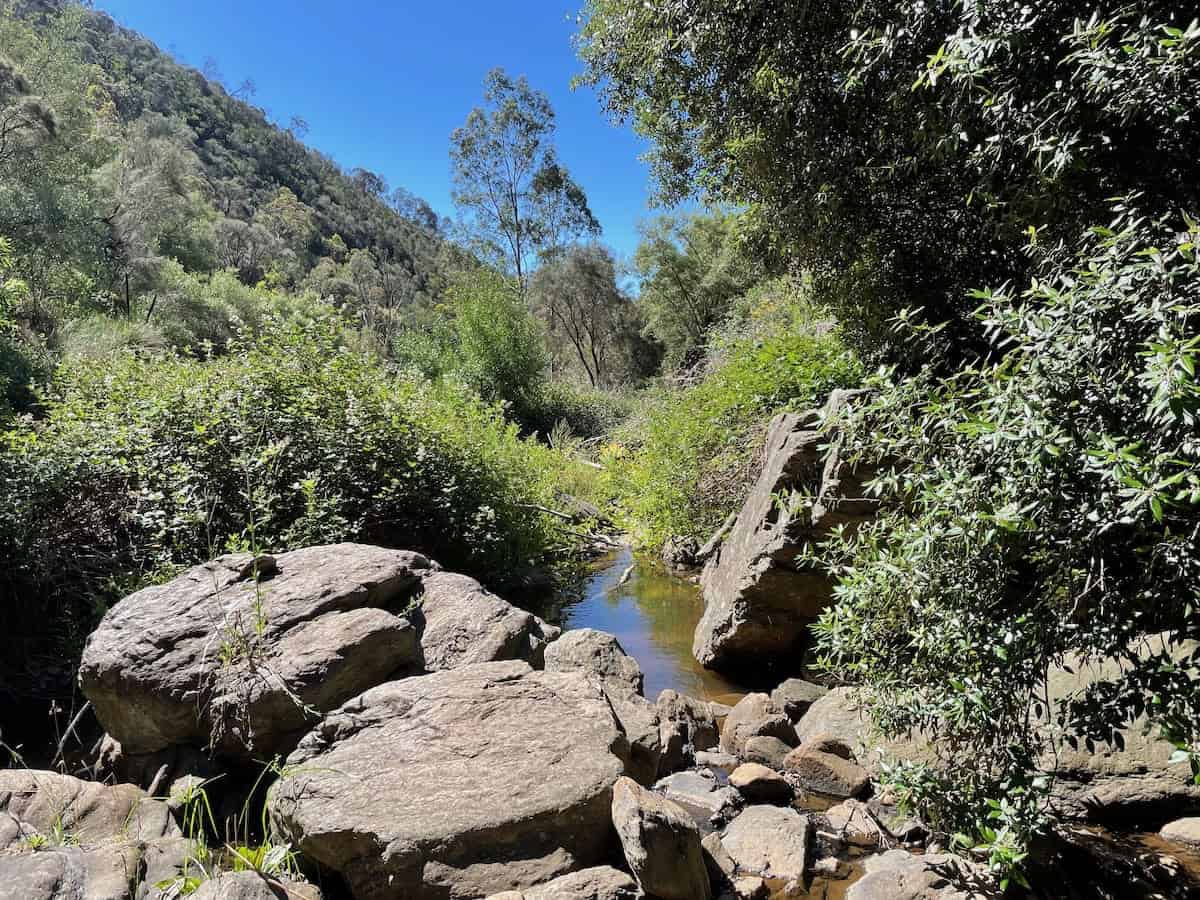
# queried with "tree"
point(898, 152)
point(519, 202)
point(586, 314)
point(692, 267)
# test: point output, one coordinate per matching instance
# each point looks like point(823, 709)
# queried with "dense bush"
point(1043, 507)
point(686, 458)
point(144, 464)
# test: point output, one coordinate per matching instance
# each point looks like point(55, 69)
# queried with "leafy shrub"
point(1042, 504)
point(144, 464)
point(587, 412)
point(686, 459)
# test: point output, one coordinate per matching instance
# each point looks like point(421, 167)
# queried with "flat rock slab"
point(247, 653)
point(705, 797)
point(253, 886)
point(899, 875)
point(769, 841)
point(1183, 831)
point(461, 783)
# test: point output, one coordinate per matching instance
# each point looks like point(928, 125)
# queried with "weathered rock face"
point(464, 624)
point(597, 883)
point(598, 652)
point(755, 715)
point(686, 726)
point(215, 654)
point(759, 784)
point(457, 784)
point(661, 844)
point(701, 795)
point(794, 696)
point(897, 875)
point(1183, 831)
point(599, 655)
point(93, 839)
point(827, 773)
point(252, 886)
point(758, 599)
point(769, 841)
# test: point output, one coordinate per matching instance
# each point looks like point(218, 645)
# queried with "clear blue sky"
point(382, 85)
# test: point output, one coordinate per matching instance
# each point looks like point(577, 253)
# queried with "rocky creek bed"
point(434, 741)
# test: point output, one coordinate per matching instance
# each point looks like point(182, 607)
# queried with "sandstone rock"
point(686, 726)
point(721, 867)
point(755, 716)
point(766, 751)
point(828, 743)
point(253, 886)
point(598, 883)
point(216, 655)
point(461, 783)
point(91, 839)
point(715, 759)
point(758, 784)
point(827, 774)
point(1183, 831)
point(759, 601)
point(795, 696)
point(597, 652)
point(701, 794)
point(464, 623)
point(750, 887)
point(769, 841)
point(661, 843)
point(899, 875)
point(850, 822)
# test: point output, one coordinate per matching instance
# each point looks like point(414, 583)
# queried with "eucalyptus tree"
point(518, 202)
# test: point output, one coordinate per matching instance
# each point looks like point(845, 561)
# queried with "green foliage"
point(144, 464)
point(518, 200)
point(1042, 506)
point(687, 458)
point(692, 268)
point(898, 152)
point(502, 354)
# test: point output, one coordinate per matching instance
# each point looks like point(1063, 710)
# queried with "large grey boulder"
point(701, 794)
point(461, 783)
point(598, 652)
point(61, 837)
point(600, 655)
point(247, 653)
point(899, 875)
point(464, 623)
point(755, 715)
point(769, 841)
point(597, 883)
point(661, 844)
point(794, 696)
point(759, 599)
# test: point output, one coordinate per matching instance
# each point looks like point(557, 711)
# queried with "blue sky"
point(382, 85)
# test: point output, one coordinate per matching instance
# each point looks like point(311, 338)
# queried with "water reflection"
point(653, 616)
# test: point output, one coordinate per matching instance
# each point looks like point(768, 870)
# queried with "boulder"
point(461, 783)
point(852, 823)
point(758, 784)
point(825, 773)
point(61, 837)
point(721, 867)
point(686, 726)
point(253, 886)
point(750, 887)
point(599, 655)
point(715, 759)
point(247, 653)
point(681, 554)
point(661, 844)
point(598, 883)
point(701, 794)
point(464, 623)
point(899, 875)
point(597, 652)
point(769, 841)
point(766, 751)
point(1183, 831)
point(759, 599)
point(795, 696)
point(755, 715)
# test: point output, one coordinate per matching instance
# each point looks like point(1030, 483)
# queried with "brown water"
point(653, 615)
